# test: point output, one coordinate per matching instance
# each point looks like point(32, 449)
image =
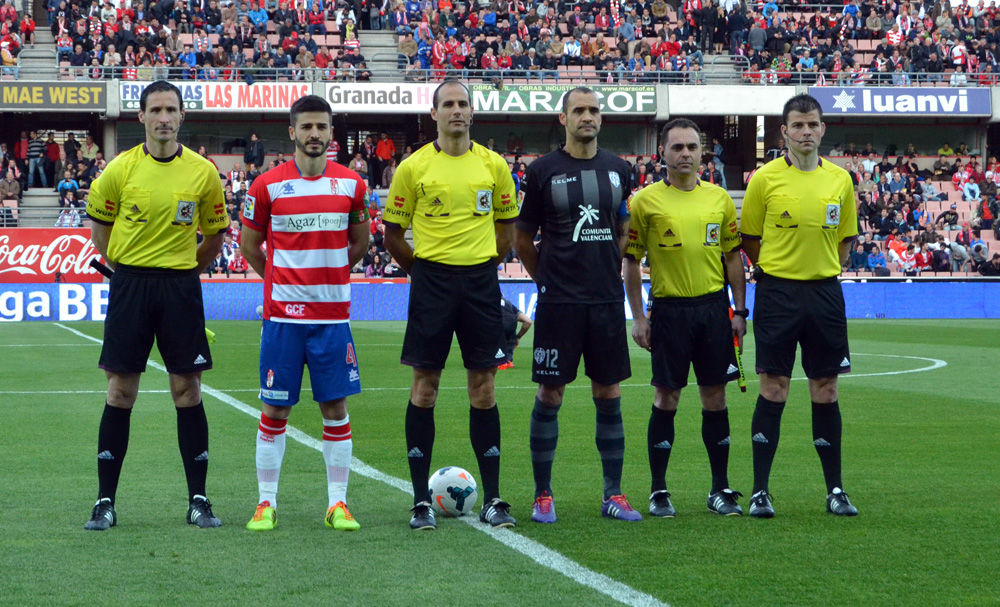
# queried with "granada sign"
point(547, 98)
point(41, 255)
point(375, 98)
point(224, 96)
point(904, 101)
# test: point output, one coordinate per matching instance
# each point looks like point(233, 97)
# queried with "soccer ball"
point(453, 491)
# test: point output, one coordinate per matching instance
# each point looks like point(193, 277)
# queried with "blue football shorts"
point(328, 350)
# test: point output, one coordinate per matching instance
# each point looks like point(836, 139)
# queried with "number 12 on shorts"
point(546, 357)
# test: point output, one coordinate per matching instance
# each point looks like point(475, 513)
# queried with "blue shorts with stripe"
point(328, 350)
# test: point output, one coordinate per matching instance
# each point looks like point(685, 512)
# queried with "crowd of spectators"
point(207, 40)
point(912, 43)
point(68, 167)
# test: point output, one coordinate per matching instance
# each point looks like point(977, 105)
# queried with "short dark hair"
point(801, 103)
point(677, 123)
point(309, 103)
point(584, 90)
point(449, 81)
point(160, 86)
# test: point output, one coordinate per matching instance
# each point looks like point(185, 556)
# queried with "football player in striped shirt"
point(313, 215)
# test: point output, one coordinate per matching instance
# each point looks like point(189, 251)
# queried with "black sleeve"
point(530, 217)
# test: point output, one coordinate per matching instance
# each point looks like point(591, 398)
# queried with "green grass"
point(920, 459)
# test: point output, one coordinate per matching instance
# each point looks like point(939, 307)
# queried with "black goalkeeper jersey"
point(579, 205)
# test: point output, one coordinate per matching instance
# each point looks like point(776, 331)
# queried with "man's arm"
point(623, 237)
point(100, 234)
point(844, 248)
point(525, 324)
point(737, 280)
point(395, 243)
point(505, 240)
point(250, 247)
point(524, 243)
point(751, 246)
point(358, 235)
point(209, 249)
point(633, 290)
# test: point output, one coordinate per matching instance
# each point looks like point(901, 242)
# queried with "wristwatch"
point(744, 313)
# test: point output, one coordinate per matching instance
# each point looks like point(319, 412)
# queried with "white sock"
point(337, 447)
point(270, 451)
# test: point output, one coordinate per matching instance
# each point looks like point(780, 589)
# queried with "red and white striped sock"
point(337, 447)
point(270, 451)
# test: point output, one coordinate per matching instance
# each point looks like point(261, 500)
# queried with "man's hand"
point(739, 329)
point(641, 332)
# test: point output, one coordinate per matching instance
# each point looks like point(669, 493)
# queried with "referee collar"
point(788, 160)
point(437, 148)
point(145, 151)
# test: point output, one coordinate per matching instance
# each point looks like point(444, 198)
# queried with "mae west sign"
point(224, 96)
point(869, 101)
point(40, 255)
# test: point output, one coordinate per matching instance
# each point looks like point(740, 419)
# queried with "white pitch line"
point(537, 552)
point(935, 364)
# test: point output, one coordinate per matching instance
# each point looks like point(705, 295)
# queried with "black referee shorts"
point(806, 312)
point(565, 332)
point(688, 331)
point(144, 303)
point(450, 300)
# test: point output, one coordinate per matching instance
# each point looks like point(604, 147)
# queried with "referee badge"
point(484, 201)
point(833, 214)
point(712, 233)
point(185, 211)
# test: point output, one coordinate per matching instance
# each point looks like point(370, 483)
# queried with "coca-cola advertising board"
point(40, 255)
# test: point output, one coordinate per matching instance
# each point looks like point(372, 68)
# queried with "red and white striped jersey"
point(333, 150)
point(305, 220)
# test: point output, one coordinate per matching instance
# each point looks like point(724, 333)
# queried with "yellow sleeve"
point(636, 247)
point(212, 206)
point(504, 194)
point(401, 199)
point(105, 195)
point(754, 207)
point(848, 211)
point(730, 229)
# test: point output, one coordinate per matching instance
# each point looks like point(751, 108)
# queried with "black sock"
point(765, 430)
point(543, 435)
point(660, 442)
point(484, 432)
point(192, 438)
point(419, 446)
point(715, 434)
point(827, 429)
point(609, 434)
point(112, 444)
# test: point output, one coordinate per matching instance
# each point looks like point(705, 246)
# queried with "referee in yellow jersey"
point(146, 209)
point(799, 222)
point(688, 230)
point(460, 199)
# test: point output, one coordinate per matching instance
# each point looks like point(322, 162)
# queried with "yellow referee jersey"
point(452, 203)
point(800, 218)
point(685, 235)
point(157, 207)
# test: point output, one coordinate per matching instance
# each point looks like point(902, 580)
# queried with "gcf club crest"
point(615, 180)
point(833, 214)
point(270, 377)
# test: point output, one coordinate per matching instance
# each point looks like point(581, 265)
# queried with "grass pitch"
point(920, 457)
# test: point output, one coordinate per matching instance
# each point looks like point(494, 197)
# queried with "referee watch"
point(742, 313)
